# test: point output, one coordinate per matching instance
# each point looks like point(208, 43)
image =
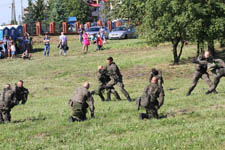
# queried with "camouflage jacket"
point(21, 94)
point(159, 77)
point(216, 64)
point(102, 77)
point(150, 96)
point(7, 99)
point(201, 64)
point(113, 71)
point(82, 95)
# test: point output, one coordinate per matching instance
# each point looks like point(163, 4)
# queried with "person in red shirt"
point(99, 43)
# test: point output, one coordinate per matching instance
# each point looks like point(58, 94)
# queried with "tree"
point(209, 24)
point(132, 10)
point(167, 20)
point(79, 9)
point(39, 9)
point(30, 17)
point(59, 14)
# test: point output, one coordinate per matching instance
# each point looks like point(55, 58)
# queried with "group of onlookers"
point(11, 48)
point(97, 39)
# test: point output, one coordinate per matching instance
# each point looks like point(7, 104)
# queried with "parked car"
point(123, 33)
point(94, 30)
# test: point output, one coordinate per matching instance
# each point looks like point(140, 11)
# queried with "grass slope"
point(194, 122)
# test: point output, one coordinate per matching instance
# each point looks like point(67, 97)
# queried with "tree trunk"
point(175, 56)
point(211, 48)
point(198, 48)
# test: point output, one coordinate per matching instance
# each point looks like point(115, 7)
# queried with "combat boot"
point(143, 116)
point(108, 96)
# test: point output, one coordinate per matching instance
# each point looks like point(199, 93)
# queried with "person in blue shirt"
point(46, 45)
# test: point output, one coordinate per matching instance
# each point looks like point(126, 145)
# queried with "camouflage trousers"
point(218, 74)
point(5, 115)
point(79, 111)
point(120, 84)
point(197, 76)
point(109, 91)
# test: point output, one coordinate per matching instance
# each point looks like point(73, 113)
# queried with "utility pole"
point(22, 11)
point(13, 12)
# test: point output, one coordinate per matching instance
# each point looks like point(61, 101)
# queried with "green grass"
point(194, 122)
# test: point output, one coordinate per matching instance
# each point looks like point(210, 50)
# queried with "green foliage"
point(79, 9)
point(39, 8)
point(30, 17)
point(59, 13)
point(132, 10)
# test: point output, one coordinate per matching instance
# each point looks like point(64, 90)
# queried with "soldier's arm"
point(151, 76)
point(90, 102)
point(161, 97)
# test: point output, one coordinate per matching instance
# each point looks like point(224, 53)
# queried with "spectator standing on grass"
point(86, 42)
point(46, 45)
point(13, 50)
point(102, 33)
point(5, 43)
point(9, 44)
point(62, 44)
point(81, 31)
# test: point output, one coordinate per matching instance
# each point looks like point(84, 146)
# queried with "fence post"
point(65, 27)
point(38, 28)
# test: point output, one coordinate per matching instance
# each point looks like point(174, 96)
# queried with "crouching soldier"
point(7, 102)
point(149, 99)
point(81, 100)
point(21, 92)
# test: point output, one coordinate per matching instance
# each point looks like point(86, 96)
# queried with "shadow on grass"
point(35, 50)
point(29, 119)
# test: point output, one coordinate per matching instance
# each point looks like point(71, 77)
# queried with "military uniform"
point(217, 67)
point(149, 100)
point(158, 76)
point(115, 78)
point(7, 102)
point(103, 79)
point(200, 72)
point(21, 94)
point(81, 100)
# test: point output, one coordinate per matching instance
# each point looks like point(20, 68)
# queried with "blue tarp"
point(72, 20)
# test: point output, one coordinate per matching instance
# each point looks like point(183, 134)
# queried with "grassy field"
point(194, 122)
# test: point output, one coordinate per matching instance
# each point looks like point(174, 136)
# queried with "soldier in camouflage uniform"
point(7, 102)
point(103, 79)
point(217, 67)
point(158, 74)
point(115, 77)
point(21, 92)
point(200, 72)
point(81, 100)
point(149, 99)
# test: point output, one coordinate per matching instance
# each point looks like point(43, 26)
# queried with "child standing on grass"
point(13, 50)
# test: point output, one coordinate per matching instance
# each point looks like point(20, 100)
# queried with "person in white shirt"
point(13, 50)
point(62, 44)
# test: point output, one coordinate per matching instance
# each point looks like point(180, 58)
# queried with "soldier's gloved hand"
point(92, 115)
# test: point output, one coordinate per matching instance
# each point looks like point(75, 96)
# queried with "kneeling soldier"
point(7, 102)
point(149, 99)
point(81, 100)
